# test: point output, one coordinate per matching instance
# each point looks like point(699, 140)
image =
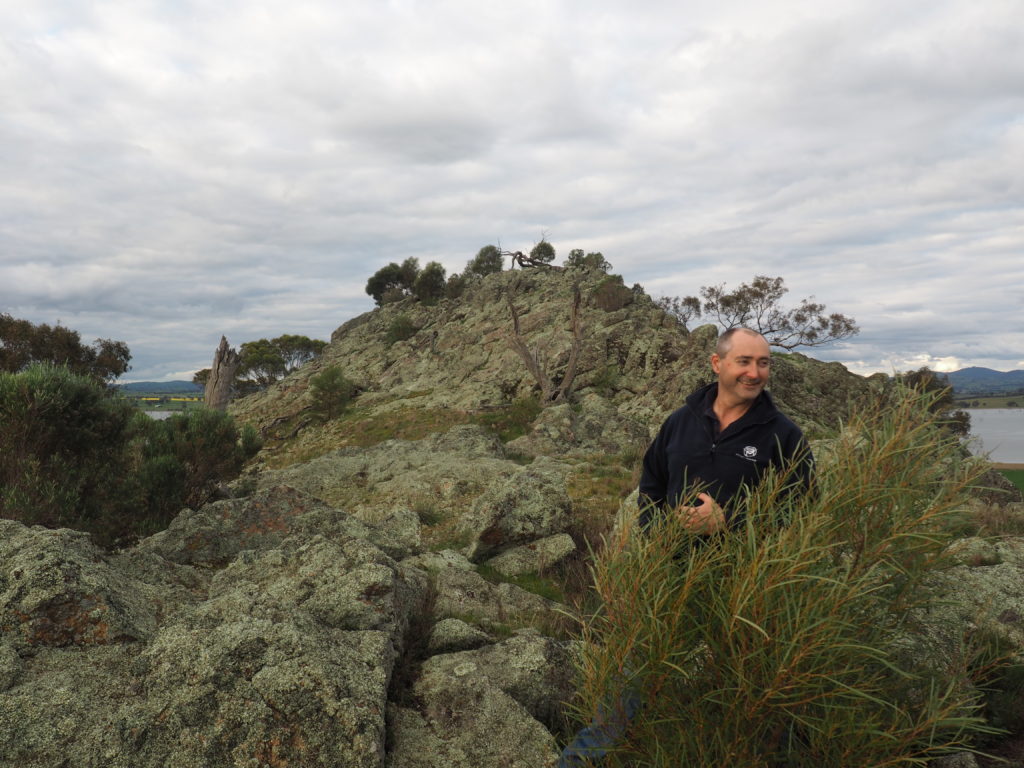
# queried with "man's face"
point(743, 370)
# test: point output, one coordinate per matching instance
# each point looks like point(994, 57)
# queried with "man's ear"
point(715, 362)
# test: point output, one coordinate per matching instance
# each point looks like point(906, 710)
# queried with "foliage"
point(543, 252)
point(756, 306)
point(488, 260)
point(683, 310)
point(1015, 476)
point(788, 645)
point(594, 260)
point(261, 363)
point(611, 294)
point(331, 392)
point(937, 386)
point(430, 283)
point(266, 361)
point(393, 282)
point(22, 344)
point(72, 455)
point(182, 460)
point(400, 329)
point(455, 286)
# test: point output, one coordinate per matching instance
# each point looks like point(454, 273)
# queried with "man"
point(725, 436)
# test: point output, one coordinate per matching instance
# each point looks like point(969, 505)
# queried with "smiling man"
point(725, 436)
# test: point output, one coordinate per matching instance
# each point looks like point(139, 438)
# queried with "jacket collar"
point(763, 409)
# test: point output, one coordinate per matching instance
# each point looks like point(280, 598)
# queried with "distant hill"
point(984, 381)
point(162, 387)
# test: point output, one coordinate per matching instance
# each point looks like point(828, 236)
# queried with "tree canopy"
point(488, 260)
point(756, 305)
point(23, 343)
point(266, 361)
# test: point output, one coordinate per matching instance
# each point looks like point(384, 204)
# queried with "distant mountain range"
point(162, 387)
point(985, 381)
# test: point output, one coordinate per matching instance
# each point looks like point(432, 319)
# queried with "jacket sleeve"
point(654, 479)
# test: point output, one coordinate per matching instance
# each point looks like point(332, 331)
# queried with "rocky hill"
point(369, 595)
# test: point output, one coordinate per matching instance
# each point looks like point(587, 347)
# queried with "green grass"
point(1015, 476)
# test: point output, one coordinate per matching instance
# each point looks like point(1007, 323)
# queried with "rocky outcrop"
point(259, 631)
point(635, 365)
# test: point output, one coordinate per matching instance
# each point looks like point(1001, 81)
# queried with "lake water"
point(998, 432)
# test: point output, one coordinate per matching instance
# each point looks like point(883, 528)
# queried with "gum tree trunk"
point(222, 375)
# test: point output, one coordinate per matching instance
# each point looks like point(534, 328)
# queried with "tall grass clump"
point(797, 639)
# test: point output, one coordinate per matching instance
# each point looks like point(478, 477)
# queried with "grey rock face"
point(58, 589)
point(531, 505)
point(482, 707)
point(259, 631)
point(450, 636)
point(535, 556)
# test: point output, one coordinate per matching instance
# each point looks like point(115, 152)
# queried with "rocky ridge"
point(334, 611)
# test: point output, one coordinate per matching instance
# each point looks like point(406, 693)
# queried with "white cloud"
point(174, 172)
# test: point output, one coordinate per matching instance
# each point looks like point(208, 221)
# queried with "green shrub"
point(61, 448)
point(512, 421)
point(71, 455)
point(400, 329)
point(793, 645)
point(611, 294)
point(331, 391)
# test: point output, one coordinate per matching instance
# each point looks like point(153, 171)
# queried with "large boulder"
point(531, 505)
point(58, 589)
point(484, 708)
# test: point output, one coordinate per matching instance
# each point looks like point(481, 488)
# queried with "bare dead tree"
point(222, 376)
point(536, 360)
point(524, 261)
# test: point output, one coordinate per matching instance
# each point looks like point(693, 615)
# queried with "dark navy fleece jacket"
point(689, 451)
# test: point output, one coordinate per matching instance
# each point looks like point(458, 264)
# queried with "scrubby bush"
point(488, 260)
point(798, 644)
point(72, 455)
point(62, 441)
point(331, 392)
point(594, 260)
point(543, 252)
point(430, 283)
point(611, 294)
point(400, 329)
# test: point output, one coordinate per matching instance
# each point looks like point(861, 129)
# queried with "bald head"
point(725, 341)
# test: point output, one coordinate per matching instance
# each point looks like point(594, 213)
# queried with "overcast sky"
point(174, 171)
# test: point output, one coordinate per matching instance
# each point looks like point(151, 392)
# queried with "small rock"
point(452, 635)
point(535, 556)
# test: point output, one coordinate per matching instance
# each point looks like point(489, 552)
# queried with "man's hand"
point(706, 518)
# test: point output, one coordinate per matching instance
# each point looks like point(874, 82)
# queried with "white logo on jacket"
point(750, 452)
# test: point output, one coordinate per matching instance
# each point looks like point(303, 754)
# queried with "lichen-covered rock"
point(10, 665)
point(530, 505)
point(986, 591)
point(449, 636)
point(534, 670)
point(58, 589)
point(484, 708)
point(591, 425)
point(440, 474)
point(468, 596)
point(535, 556)
point(217, 532)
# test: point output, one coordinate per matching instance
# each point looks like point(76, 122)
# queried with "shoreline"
point(1006, 465)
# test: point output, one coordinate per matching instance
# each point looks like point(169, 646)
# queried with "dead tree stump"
point(222, 376)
